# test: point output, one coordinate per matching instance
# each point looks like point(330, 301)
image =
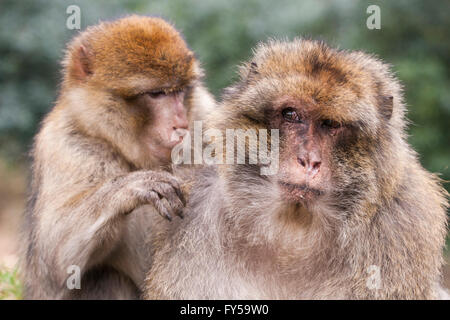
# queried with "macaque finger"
point(161, 205)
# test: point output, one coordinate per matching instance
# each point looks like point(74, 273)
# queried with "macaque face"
point(165, 124)
point(307, 144)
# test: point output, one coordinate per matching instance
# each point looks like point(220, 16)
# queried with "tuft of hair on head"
point(129, 50)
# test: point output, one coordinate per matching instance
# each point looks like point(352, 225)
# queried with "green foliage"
point(10, 287)
point(413, 38)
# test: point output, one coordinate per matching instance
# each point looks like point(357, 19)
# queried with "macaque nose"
point(180, 127)
point(312, 164)
point(181, 122)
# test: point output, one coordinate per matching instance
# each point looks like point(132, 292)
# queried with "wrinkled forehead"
point(326, 93)
point(322, 98)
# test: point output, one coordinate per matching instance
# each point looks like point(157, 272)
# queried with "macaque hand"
point(159, 188)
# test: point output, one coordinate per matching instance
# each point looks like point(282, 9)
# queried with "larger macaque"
point(101, 161)
point(350, 214)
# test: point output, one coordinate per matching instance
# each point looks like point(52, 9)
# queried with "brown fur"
point(241, 240)
point(92, 176)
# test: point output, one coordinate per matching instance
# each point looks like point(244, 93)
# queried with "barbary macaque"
point(101, 173)
point(350, 213)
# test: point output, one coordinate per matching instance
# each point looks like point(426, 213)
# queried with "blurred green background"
point(414, 38)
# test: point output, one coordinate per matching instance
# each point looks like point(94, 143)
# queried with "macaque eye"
point(157, 94)
point(330, 124)
point(291, 115)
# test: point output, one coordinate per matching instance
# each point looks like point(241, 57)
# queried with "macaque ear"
point(82, 63)
point(247, 75)
point(253, 71)
point(387, 105)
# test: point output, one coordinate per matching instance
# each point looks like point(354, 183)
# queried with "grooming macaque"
point(350, 214)
point(101, 162)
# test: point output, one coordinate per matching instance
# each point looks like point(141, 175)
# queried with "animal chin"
point(177, 137)
point(172, 143)
point(299, 192)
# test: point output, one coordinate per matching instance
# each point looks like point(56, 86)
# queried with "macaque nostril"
point(316, 165)
point(313, 168)
point(301, 161)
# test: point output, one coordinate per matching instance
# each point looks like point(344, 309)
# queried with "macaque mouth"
point(300, 192)
point(177, 136)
